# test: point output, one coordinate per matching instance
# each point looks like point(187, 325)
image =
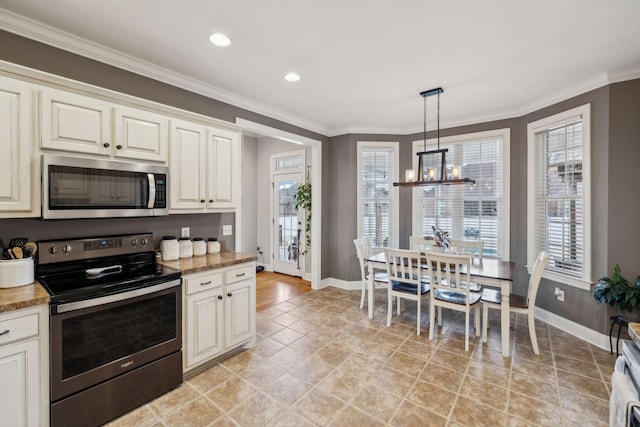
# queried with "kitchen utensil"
point(18, 242)
point(17, 252)
point(29, 249)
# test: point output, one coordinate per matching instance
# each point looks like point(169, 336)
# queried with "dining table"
point(488, 272)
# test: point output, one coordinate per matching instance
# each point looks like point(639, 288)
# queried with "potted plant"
point(616, 291)
point(440, 237)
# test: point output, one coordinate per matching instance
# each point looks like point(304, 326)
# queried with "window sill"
point(565, 279)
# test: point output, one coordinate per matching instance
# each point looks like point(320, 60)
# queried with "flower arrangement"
point(440, 237)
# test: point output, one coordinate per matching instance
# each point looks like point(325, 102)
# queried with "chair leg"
point(418, 326)
point(439, 316)
point(476, 322)
point(485, 322)
point(432, 320)
point(400, 304)
point(364, 290)
point(532, 333)
point(389, 308)
point(466, 332)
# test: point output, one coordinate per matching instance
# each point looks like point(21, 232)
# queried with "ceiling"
point(362, 62)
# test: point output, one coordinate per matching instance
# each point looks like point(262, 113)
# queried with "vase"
point(437, 249)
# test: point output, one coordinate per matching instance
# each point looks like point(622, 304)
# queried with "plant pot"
point(437, 249)
point(629, 316)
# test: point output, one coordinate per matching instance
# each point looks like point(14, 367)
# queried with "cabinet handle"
point(5, 332)
point(201, 200)
point(205, 283)
point(219, 296)
point(229, 294)
point(119, 147)
point(105, 145)
point(240, 274)
point(210, 200)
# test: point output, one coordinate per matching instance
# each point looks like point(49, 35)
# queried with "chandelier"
point(433, 175)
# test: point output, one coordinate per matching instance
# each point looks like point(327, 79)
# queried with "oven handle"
point(94, 302)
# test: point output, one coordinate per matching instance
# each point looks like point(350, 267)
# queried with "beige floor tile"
point(535, 370)
point(416, 349)
point(210, 378)
point(393, 381)
point(471, 413)
point(266, 347)
point(312, 370)
point(333, 354)
point(291, 419)
point(534, 388)
point(412, 415)
point(319, 407)
point(173, 400)
point(257, 411)
point(361, 366)
point(287, 389)
point(489, 373)
point(141, 417)
point(582, 384)
point(231, 393)
point(589, 406)
point(588, 369)
point(534, 411)
point(404, 363)
point(286, 336)
point(376, 402)
point(287, 357)
point(485, 393)
point(432, 397)
point(445, 377)
point(350, 417)
point(572, 418)
point(450, 360)
point(197, 413)
point(342, 384)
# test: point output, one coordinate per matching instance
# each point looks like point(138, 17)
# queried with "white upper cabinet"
point(19, 192)
point(141, 135)
point(204, 167)
point(82, 124)
point(75, 123)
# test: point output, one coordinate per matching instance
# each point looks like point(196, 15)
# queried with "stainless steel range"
point(115, 326)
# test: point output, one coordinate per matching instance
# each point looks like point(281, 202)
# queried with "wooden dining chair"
point(447, 271)
point(524, 304)
point(404, 271)
point(419, 243)
point(364, 251)
point(473, 248)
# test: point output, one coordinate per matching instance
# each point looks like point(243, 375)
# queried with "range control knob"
point(134, 242)
point(143, 241)
point(66, 248)
point(53, 250)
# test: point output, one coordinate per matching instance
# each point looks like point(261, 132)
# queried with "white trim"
point(580, 331)
point(505, 135)
point(316, 183)
point(583, 111)
point(395, 209)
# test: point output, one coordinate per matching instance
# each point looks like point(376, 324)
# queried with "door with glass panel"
point(288, 225)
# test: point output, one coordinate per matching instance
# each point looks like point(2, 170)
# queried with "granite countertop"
point(22, 297)
point(209, 262)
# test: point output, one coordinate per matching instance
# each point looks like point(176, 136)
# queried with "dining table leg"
point(370, 289)
point(505, 316)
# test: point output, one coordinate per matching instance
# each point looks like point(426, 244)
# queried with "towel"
point(622, 402)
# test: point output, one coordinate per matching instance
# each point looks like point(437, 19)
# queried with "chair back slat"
point(474, 248)
point(403, 266)
point(419, 243)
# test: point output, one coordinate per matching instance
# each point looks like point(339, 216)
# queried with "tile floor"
point(320, 361)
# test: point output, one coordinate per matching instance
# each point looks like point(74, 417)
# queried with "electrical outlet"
point(559, 293)
point(227, 230)
point(185, 232)
point(259, 249)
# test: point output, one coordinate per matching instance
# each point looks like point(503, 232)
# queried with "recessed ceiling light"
point(292, 77)
point(219, 40)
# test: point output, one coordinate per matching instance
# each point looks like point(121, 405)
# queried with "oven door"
point(74, 187)
point(98, 339)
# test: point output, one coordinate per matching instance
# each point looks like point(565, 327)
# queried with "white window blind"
point(376, 202)
point(559, 193)
point(470, 211)
point(559, 196)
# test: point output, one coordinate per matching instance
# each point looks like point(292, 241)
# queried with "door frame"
point(316, 184)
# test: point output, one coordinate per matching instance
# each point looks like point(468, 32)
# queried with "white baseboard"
point(580, 331)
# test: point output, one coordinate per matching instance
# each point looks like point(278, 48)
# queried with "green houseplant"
point(303, 200)
point(616, 291)
point(440, 237)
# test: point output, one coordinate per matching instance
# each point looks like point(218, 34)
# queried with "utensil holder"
point(16, 272)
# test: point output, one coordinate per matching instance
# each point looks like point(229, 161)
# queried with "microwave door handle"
point(152, 191)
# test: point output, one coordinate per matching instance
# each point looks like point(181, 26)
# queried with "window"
point(559, 195)
point(377, 198)
point(477, 211)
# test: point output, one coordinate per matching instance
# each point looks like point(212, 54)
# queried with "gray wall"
point(249, 194)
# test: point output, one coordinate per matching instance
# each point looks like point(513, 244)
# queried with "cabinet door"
point(20, 391)
point(140, 135)
point(221, 162)
point(16, 185)
point(240, 309)
point(187, 185)
point(204, 327)
point(76, 123)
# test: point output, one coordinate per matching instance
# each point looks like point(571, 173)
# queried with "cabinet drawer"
point(18, 328)
point(202, 282)
point(242, 273)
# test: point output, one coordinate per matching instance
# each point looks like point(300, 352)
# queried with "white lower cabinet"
point(24, 373)
point(219, 312)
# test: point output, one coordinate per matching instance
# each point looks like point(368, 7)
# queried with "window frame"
point(394, 146)
point(505, 135)
point(584, 111)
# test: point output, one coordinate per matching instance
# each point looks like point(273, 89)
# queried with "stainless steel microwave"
point(79, 187)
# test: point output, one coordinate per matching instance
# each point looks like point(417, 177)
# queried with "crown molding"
point(42, 33)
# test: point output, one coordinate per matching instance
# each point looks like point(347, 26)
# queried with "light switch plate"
point(227, 230)
point(185, 232)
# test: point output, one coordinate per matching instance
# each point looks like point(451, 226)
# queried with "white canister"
point(186, 247)
point(16, 272)
point(213, 246)
point(169, 248)
point(199, 246)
